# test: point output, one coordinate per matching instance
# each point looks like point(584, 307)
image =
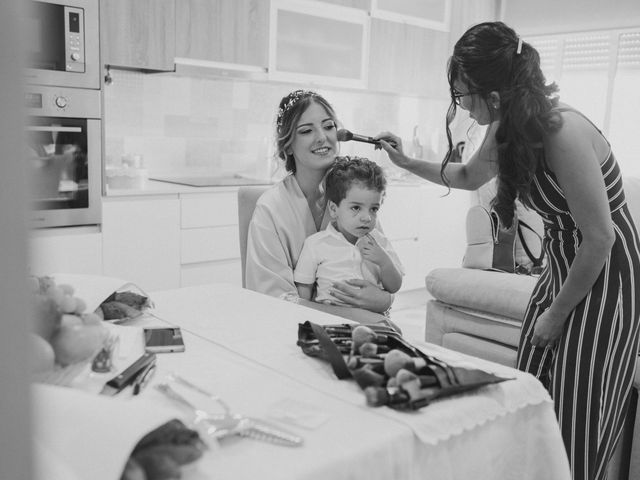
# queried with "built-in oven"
point(62, 43)
point(64, 156)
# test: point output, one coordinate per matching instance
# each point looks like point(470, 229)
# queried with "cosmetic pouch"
point(389, 369)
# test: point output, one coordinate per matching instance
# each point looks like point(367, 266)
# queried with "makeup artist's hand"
point(547, 330)
point(395, 152)
point(362, 294)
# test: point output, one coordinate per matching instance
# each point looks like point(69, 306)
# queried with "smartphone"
point(163, 340)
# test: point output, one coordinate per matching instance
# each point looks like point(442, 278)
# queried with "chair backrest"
point(247, 199)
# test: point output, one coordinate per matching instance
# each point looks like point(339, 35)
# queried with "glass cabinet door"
point(435, 14)
point(318, 43)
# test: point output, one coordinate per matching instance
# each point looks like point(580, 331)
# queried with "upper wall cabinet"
point(435, 14)
point(138, 33)
point(233, 32)
point(407, 59)
point(360, 4)
point(317, 42)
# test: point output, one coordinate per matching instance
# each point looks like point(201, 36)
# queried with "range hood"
point(203, 68)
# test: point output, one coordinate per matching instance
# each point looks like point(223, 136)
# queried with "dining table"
point(241, 347)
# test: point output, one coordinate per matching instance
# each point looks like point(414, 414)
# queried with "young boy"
point(351, 246)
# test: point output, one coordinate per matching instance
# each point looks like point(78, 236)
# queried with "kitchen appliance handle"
point(55, 128)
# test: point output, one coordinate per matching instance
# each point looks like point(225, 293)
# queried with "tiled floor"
point(408, 312)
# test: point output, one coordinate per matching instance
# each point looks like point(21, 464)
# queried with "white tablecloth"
point(496, 430)
point(242, 346)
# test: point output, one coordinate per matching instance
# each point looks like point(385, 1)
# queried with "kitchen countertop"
point(154, 187)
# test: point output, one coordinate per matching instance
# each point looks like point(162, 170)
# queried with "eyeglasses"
point(458, 95)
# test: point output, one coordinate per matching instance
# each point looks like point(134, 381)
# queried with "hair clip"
point(519, 49)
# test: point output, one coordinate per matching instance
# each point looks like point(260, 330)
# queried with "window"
point(598, 74)
point(625, 102)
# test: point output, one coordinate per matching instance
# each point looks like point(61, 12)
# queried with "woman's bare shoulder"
point(576, 133)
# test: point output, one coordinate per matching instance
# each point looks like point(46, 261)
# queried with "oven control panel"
point(62, 102)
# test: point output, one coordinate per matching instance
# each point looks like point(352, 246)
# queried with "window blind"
point(629, 50)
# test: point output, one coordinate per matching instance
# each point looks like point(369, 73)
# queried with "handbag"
point(492, 246)
point(424, 377)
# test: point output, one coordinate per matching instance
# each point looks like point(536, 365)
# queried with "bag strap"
point(333, 354)
point(537, 261)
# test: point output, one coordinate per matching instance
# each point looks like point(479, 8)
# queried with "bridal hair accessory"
point(293, 99)
point(519, 49)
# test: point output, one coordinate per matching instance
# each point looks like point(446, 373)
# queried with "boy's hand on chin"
point(371, 251)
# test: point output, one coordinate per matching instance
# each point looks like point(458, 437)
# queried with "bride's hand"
point(362, 294)
point(392, 144)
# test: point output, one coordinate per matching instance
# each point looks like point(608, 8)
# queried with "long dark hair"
point(491, 57)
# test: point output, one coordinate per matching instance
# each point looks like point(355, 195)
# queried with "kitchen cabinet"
point(65, 250)
point(360, 4)
point(184, 239)
point(227, 31)
point(141, 240)
point(210, 250)
point(318, 42)
point(407, 59)
point(434, 14)
point(138, 34)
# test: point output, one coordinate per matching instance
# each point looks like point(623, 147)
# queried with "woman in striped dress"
point(581, 329)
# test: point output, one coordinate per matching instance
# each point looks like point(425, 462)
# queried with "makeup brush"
point(345, 135)
point(418, 387)
point(396, 359)
point(362, 334)
point(359, 362)
point(405, 375)
point(378, 396)
point(366, 377)
point(338, 330)
point(369, 349)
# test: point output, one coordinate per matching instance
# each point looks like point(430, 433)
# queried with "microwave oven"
point(62, 43)
point(63, 155)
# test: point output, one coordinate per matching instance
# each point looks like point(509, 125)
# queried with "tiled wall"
point(226, 126)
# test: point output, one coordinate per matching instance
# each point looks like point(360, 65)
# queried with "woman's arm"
point(362, 294)
point(268, 268)
point(574, 155)
point(480, 168)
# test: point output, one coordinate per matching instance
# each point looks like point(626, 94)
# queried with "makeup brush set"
point(387, 367)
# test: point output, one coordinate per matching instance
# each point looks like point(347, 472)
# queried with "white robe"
point(280, 224)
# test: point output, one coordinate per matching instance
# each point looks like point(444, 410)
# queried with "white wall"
point(532, 17)
point(15, 446)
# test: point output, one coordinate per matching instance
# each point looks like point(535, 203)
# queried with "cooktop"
point(211, 181)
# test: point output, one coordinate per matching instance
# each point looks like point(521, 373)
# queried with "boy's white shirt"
point(328, 257)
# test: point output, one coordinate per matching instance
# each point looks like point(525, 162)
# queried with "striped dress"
point(590, 373)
